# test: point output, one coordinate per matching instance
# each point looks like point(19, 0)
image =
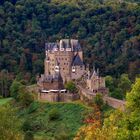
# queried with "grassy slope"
point(66, 126)
point(70, 120)
point(4, 101)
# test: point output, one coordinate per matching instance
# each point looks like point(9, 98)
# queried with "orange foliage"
point(93, 123)
point(94, 117)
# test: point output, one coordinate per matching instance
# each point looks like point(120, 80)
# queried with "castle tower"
point(47, 66)
point(68, 53)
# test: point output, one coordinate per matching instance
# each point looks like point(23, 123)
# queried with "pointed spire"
point(88, 74)
point(94, 72)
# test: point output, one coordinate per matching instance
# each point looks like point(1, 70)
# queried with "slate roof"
point(77, 61)
point(50, 46)
point(67, 43)
point(76, 45)
point(56, 77)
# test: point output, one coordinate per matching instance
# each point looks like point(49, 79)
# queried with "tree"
point(93, 124)
point(132, 97)
point(23, 63)
point(120, 125)
point(4, 83)
point(14, 89)
point(117, 93)
point(98, 100)
point(124, 84)
point(70, 86)
point(109, 82)
point(25, 97)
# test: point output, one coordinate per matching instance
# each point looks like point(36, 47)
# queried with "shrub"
point(26, 126)
point(25, 97)
point(33, 107)
point(70, 86)
point(62, 136)
point(14, 89)
point(117, 93)
point(54, 114)
point(29, 136)
point(98, 100)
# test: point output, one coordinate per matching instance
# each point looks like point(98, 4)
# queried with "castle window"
point(73, 68)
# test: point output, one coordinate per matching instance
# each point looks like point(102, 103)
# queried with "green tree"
point(124, 84)
point(25, 97)
point(121, 125)
point(109, 82)
point(117, 93)
point(132, 97)
point(98, 100)
point(70, 86)
point(14, 89)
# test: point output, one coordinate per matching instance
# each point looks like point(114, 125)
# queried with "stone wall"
point(83, 93)
point(52, 85)
point(79, 70)
point(115, 103)
point(58, 97)
point(65, 59)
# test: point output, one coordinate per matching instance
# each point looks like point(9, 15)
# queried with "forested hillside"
point(109, 33)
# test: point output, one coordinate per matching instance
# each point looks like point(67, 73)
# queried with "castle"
point(63, 62)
